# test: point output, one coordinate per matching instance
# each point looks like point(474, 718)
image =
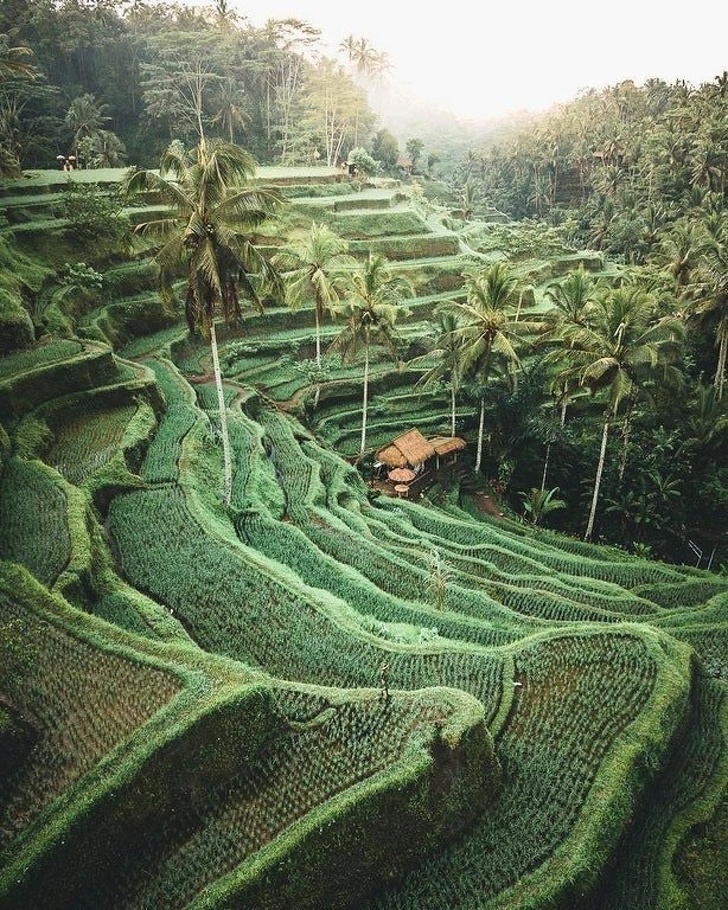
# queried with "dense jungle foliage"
point(639, 174)
point(115, 83)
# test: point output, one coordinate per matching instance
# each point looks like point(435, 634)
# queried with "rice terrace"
point(193, 704)
point(297, 608)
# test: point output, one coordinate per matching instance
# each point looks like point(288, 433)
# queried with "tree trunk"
point(364, 403)
point(597, 480)
point(564, 406)
point(626, 434)
point(317, 316)
point(481, 426)
point(545, 466)
point(452, 408)
point(227, 459)
point(722, 358)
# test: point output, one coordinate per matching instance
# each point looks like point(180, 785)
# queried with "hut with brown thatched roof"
point(447, 448)
point(410, 450)
point(422, 456)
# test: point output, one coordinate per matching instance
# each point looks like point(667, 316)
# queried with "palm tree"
point(13, 64)
point(231, 113)
point(365, 59)
point(446, 352)
point(371, 307)
point(679, 250)
point(709, 299)
point(86, 117)
point(316, 267)
point(470, 195)
point(103, 149)
point(706, 423)
point(489, 329)
point(570, 298)
point(214, 209)
point(621, 344)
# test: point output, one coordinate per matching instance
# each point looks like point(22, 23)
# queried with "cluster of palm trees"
point(208, 236)
point(93, 144)
point(318, 268)
point(614, 342)
point(599, 339)
point(609, 341)
point(638, 172)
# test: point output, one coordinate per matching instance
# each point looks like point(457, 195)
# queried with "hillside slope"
point(269, 706)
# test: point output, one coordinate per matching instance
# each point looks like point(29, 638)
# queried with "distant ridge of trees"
point(614, 167)
point(145, 74)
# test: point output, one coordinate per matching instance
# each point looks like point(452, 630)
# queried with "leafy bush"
point(94, 215)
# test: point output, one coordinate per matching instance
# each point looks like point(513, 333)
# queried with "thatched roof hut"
point(391, 457)
point(408, 450)
point(444, 445)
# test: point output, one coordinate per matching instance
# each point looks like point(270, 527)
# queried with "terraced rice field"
point(269, 706)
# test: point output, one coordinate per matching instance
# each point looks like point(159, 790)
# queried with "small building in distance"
point(404, 165)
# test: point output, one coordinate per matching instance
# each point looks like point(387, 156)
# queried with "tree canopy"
point(149, 74)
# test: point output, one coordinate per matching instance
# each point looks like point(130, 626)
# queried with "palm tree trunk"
point(227, 459)
point(545, 466)
point(564, 406)
point(481, 426)
point(364, 403)
point(625, 440)
point(452, 408)
point(722, 358)
point(317, 316)
point(597, 480)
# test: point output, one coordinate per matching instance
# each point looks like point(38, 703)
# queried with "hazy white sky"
point(483, 59)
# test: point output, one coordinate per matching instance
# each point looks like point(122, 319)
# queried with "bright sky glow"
point(482, 59)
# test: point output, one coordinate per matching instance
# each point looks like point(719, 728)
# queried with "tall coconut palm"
point(371, 307)
point(316, 267)
point(569, 298)
point(679, 250)
point(489, 329)
point(708, 298)
point(446, 355)
point(621, 344)
point(365, 59)
point(86, 118)
point(231, 112)
point(214, 209)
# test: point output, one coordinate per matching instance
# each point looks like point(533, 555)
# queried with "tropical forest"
point(363, 480)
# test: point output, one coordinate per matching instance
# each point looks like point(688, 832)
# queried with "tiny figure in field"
point(384, 680)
